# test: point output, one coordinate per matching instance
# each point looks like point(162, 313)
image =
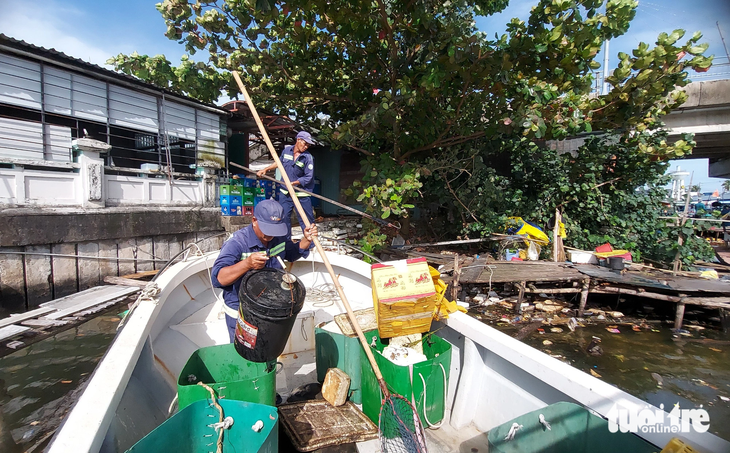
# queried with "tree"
point(425, 96)
point(726, 186)
point(695, 188)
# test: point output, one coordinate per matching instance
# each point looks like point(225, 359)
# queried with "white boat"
point(493, 377)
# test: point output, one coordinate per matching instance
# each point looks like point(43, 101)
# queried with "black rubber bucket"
point(616, 263)
point(266, 314)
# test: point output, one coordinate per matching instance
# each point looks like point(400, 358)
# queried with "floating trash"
point(547, 342)
point(659, 380)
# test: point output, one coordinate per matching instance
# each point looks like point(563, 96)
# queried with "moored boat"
point(493, 377)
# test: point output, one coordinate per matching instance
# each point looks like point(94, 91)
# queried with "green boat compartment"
point(191, 430)
point(230, 375)
point(429, 400)
point(335, 350)
point(572, 429)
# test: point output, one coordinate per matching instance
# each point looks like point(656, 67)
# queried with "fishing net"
point(400, 428)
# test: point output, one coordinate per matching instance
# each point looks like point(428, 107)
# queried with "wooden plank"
point(505, 272)
point(12, 331)
point(125, 282)
point(97, 292)
point(141, 274)
point(633, 292)
point(113, 292)
point(20, 317)
point(42, 323)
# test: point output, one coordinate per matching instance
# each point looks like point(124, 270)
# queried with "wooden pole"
point(556, 234)
point(680, 240)
point(321, 251)
point(679, 316)
point(520, 296)
point(584, 296)
point(455, 282)
point(315, 195)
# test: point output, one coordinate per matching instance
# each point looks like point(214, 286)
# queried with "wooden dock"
point(564, 278)
point(22, 329)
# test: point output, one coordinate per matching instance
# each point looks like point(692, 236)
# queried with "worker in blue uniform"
point(299, 166)
point(256, 247)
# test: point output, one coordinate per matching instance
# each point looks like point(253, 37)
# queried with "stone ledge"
point(34, 226)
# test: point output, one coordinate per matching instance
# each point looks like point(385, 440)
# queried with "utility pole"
point(604, 90)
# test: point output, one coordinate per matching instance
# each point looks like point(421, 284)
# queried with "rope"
point(425, 412)
point(220, 423)
point(149, 292)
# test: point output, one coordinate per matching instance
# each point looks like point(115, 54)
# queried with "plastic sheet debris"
point(659, 380)
point(572, 324)
point(613, 329)
point(556, 330)
point(595, 374)
point(403, 356)
point(547, 342)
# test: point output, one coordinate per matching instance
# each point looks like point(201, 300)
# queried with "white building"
point(163, 146)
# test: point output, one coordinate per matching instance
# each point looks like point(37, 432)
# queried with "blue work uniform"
point(300, 169)
point(243, 243)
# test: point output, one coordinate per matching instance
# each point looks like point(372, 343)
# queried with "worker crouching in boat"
point(255, 247)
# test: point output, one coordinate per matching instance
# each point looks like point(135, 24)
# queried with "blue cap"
point(306, 136)
point(270, 217)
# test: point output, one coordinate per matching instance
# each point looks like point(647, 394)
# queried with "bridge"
point(706, 114)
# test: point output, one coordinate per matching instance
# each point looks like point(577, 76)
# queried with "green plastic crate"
point(188, 431)
point(230, 375)
point(573, 429)
point(430, 401)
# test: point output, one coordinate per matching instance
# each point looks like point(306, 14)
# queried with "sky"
point(95, 30)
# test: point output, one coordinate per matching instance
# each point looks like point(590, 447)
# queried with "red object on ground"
point(604, 248)
point(514, 258)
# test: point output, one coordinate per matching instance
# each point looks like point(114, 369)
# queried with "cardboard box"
point(247, 201)
point(258, 199)
point(404, 297)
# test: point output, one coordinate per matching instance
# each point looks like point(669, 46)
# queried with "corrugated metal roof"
point(33, 52)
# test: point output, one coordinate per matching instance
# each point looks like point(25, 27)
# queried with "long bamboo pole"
point(316, 195)
point(321, 251)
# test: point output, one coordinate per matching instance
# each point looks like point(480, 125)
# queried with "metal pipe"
point(339, 205)
point(59, 255)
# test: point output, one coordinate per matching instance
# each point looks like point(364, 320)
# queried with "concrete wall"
point(34, 247)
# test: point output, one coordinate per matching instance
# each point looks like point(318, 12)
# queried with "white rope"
point(543, 422)
point(512, 431)
point(425, 412)
point(149, 292)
